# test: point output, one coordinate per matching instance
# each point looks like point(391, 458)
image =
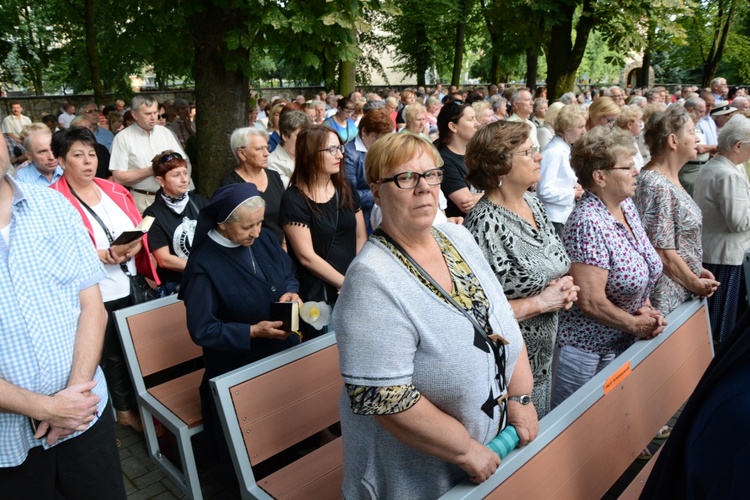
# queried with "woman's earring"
point(500, 183)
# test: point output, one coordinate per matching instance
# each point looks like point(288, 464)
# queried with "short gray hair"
point(239, 139)
point(35, 131)
point(568, 98)
point(499, 103)
point(371, 105)
point(139, 100)
point(737, 129)
point(539, 102)
point(693, 103)
point(249, 205)
point(85, 105)
point(517, 95)
point(292, 120)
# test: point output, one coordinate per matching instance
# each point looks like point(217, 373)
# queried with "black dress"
point(334, 235)
point(173, 230)
point(272, 197)
point(454, 179)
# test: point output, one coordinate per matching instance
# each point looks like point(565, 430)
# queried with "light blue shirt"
point(708, 127)
point(50, 259)
point(30, 175)
point(104, 137)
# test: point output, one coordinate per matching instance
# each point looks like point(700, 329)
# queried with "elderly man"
point(741, 103)
point(43, 169)
point(136, 146)
point(523, 105)
point(57, 435)
point(697, 109)
point(120, 106)
point(103, 136)
point(721, 113)
point(616, 94)
point(719, 88)
point(14, 123)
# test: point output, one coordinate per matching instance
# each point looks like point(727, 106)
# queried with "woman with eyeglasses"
point(342, 122)
point(671, 218)
point(521, 245)
point(558, 187)
point(602, 113)
point(322, 217)
point(175, 212)
point(612, 261)
point(107, 209)
point(433, 362)
point(457, 124)
point(250, 149)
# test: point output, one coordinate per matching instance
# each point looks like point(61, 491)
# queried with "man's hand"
point(67, 411)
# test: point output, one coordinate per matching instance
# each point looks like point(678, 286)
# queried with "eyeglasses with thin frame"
point(630, 167)
point(410, 180)
point(169, 157)
point(332, 150)
point(258, 150)
point(531, 152)
point(92, 111)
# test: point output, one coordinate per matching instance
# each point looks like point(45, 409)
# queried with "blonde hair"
point(393, 150)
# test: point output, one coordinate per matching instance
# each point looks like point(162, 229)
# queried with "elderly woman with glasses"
point(433, 362)
point(175, 212)
point(342, 122)
point(512, 229)
point(669, 215)
point(722, 192)
point(250, 149)
point(322, 217)
point(612, 261)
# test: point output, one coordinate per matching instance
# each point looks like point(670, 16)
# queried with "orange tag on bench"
point(617, 377)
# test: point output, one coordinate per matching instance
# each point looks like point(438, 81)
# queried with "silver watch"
point(524, 399)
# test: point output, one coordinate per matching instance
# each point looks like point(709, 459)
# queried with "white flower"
point(316, 314)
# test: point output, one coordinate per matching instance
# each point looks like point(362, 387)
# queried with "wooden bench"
point(166, 368)
point(275, 403)
point(586, 443)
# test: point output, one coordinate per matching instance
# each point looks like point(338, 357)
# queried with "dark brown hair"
point(489, 154)
point(308, 164)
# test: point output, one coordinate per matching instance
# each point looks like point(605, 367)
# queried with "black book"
point(288, 312)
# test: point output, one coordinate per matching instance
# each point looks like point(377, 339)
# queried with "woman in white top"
point(107, 209)
point(558, 188)
point(282, 158)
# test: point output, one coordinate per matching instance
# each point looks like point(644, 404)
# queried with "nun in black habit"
point(235, 271)
point(707, 454)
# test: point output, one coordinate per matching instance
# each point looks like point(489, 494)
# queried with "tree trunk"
point(564, 57)
point(347, 80)
point(646, 65)
point(92, 52)
point(329, 74)
point(458, 55)
point(721, 34)
point(422, 56)
point(495, 74)
point(532, 68)
point(222, 96)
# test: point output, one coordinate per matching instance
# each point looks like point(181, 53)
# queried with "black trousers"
point(86, 466)
point(113, 361)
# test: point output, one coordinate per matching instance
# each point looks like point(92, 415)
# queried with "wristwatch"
point(524, 399)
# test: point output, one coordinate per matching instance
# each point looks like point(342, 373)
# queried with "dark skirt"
point(729, 302)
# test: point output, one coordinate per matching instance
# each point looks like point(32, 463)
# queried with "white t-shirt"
point(134, 148)
point(116, 285)
point(65, 119)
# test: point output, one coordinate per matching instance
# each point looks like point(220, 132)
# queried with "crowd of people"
point(485, 252)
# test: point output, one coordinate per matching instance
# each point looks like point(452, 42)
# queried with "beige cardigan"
point(722, 191)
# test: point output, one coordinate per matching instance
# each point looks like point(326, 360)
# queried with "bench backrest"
point(586, 443)
point(160, 335)
point(270, 405)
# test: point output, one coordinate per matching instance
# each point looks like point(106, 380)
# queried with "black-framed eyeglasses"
point(332, 150)
point(410, 180)
point(170, 157)
point(532, 151)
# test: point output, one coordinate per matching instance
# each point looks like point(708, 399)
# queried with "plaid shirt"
point(48, 261)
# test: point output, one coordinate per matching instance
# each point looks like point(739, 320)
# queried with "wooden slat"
point(282, 407)
point(181, 396)
point(590, 454)
point(161, 338)
point(316, 476)
point(635, 488)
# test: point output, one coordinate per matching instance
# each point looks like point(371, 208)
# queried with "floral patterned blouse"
point(593, 236)
point(672, 221)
